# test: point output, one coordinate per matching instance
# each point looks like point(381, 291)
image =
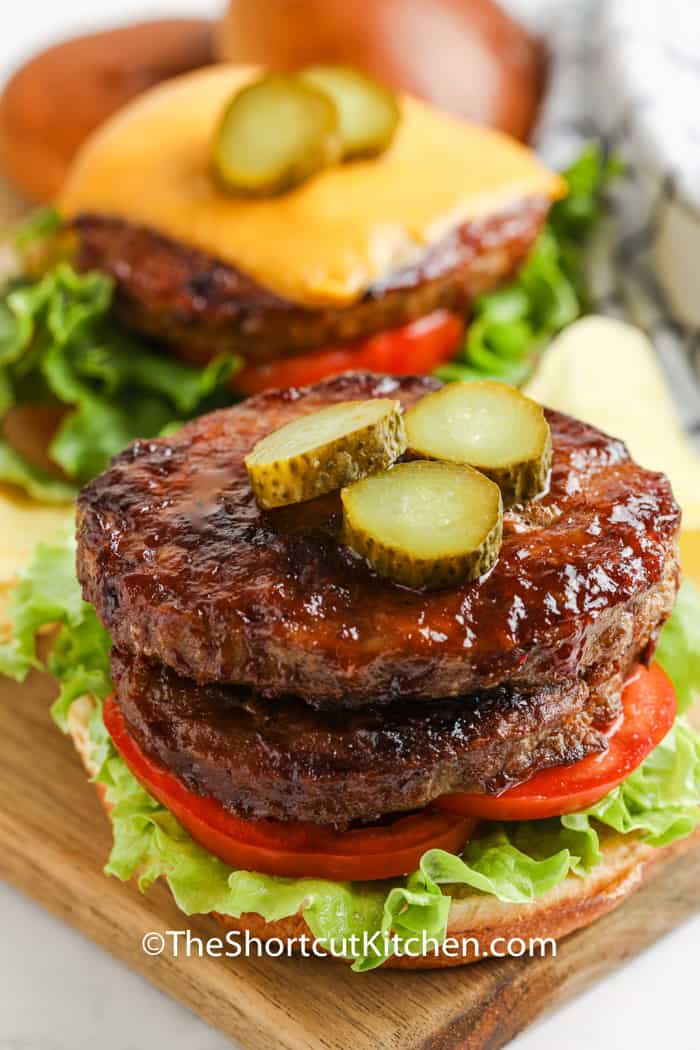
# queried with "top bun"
point(465, 56)
point(60, 96)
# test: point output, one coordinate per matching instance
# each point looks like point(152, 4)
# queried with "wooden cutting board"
point(54, 840)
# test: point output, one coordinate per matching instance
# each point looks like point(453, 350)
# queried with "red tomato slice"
point(415, 348)
point(295, 849)
point(649, 704)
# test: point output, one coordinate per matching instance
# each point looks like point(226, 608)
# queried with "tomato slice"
point(649, 709)
point(415, 348)
point(290, 848)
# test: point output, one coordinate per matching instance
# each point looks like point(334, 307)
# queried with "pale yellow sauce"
point(326, 241)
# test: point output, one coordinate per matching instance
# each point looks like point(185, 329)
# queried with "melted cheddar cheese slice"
point(325, 242)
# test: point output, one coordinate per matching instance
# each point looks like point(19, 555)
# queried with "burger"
point(231, 230)
point(355, 250)
point(396, 667)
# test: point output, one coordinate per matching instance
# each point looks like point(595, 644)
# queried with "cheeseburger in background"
point(181, 293)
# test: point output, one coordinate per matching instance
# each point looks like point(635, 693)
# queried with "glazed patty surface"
point(185, 568)
point(201, 307)
point(284, 760)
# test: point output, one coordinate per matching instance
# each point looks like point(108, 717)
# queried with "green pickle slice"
point(487, 425)
point(274, 134)
point(425, 524)
point(326, 450)
point(369, 111)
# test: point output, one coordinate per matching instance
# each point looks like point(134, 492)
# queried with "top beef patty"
point(183, 566)
point(200, 306)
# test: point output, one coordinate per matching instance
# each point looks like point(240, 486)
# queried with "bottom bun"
point(475, 919)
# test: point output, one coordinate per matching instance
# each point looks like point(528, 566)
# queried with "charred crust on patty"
point(183, 567)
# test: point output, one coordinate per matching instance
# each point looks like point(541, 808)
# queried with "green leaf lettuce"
point(60, 345)
point(678, 651)
point(512, 324)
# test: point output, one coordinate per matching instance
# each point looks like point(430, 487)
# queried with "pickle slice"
point(425, 524)
point(369, 111)
point(487, 425)
point(325, 450)
point(275, 133)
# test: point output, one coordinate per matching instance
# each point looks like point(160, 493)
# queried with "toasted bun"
point(466, 56)
point(481, 919)
point(60, 96)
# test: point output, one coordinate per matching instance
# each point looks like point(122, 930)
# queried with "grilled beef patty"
point(183, 567)
point(283, 760)
point(200, 306)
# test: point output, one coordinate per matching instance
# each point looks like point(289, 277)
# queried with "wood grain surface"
point(54, 840)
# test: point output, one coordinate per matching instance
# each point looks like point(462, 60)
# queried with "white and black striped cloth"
point(627, 72)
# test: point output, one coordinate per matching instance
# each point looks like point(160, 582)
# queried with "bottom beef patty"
point(287, 761)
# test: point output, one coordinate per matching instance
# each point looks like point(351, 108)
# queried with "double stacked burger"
point(305, 713)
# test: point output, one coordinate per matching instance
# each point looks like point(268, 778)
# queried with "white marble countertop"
point(60, 992)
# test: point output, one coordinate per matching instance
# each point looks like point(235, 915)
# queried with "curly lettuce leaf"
point(514, 862)
point(48, 593)
point(511, 325)
point(59, 344)
point(150, 844)
point(678, 651)
point(659, 800)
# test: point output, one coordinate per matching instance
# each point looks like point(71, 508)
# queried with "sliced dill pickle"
point(490, 426)
point(275, 133)
point(425, 524)
point(369, 111)
point(325, 450)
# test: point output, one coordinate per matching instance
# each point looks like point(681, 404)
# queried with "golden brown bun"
point(574, 903)
point(466, 56)
point(60, 96)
